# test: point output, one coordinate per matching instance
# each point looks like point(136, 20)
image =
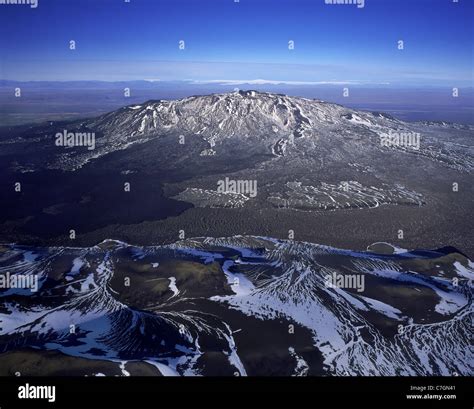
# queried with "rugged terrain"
point(271, 173)
point(320, 169)
point(237, 306)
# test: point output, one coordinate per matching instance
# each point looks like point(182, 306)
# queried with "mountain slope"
point(245, 305)
point(239, 163)
point(277, 123)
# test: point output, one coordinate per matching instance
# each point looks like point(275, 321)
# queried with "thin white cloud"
point(283, 82)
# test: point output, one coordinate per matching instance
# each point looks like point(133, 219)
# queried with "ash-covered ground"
point(244, 162)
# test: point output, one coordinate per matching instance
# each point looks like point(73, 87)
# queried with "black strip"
point(239, 393)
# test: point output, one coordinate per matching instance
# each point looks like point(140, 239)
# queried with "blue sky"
point(247, 40)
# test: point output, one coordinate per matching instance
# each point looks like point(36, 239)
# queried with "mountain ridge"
point(194, 307)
